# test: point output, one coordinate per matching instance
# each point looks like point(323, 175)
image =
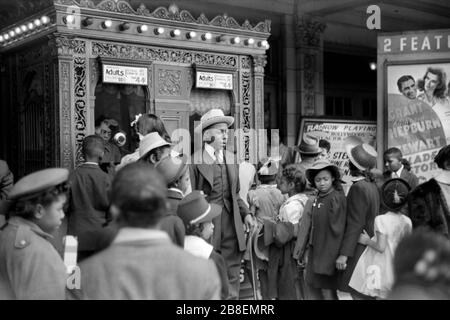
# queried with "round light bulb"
point(11, 33)
point(207, 36)
point(236, 40)
point(37, 22)
point(45, 19)
point(107, 24)
point(159, 30)
point(251, 41)
point(264, 43)
point(30, 26)
point(6, 36)
point(70, 19)
point(17, 30)
point(373, 66)
point(176, 32)
point(24, 28)
point(191, 35)
point(1, 38)
point(143, 28)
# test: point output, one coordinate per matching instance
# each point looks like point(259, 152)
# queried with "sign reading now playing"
point(125, 75)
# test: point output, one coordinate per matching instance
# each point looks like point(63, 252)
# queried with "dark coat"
point(202, 179)
point(171, 223)
point(88, 205)
point(406, 175)
point(427, 208)
point(328, 226)
point(363, 204)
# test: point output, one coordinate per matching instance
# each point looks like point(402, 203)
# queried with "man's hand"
point(250, 222)
point(341, 263)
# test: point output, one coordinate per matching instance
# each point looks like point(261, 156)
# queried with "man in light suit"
point(215, 172)
point(142, 262)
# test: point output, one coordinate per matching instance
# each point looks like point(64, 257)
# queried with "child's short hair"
point(25, 208)
point(293, 174)
point(194, 229)
point(442, 157)
point(93, 146)
point(395, 152)
point(140, 193)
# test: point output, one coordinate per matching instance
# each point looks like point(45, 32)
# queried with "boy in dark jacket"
point(89, 202)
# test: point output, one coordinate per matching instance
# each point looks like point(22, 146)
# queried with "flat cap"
point(37, 182)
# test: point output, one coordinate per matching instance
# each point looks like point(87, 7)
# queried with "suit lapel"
point(231, 172)
point(205, 168)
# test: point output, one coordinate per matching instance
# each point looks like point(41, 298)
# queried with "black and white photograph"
point(230, 158)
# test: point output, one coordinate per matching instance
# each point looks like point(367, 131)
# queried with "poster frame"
point(328, 119)
point(387, 63)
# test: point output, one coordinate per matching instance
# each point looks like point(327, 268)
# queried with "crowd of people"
point(152, 225)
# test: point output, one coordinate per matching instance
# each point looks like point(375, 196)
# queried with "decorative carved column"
point(259, 62)
point(309, 51)
point(63, 74)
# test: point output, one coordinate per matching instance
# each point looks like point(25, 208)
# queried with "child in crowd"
point(373, 275)
point(397, 167)
point(327, 217)
point(176, 173)
point(89, 202)
point(30, 267)
point(282, 268)
point(265, 202)
point(197, 215)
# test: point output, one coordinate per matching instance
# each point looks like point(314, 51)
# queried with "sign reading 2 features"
point(211, 80)
point(125, 75)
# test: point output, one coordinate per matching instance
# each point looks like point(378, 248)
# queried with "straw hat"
point(211, 117)
point(362, 155)
point(151, 141)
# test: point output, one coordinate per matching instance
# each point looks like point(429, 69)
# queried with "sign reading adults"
point(212, 80)
point(416, 92)
point(335, 132)
point(125, 75)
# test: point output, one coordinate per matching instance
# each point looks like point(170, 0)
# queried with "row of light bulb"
point(24, 28)
point(173, 33)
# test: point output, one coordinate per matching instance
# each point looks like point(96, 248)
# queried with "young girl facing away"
point(373, 275)
point(197, 215)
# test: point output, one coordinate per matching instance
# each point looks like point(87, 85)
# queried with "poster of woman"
point(418, 113)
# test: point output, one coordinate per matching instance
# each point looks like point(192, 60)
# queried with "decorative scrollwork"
point(80, 105)
point(172, 13)
point(259, 62)
point(245, 62)
point(169, 82)
point(246, 88)
point(309, 32)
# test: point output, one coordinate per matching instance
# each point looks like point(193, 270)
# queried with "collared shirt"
point(212, 153)
point(92, 163)
point(129, 234)
point(197, 246)
point(177, 191)
point(398, 173)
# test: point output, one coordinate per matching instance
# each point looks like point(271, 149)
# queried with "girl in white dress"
point(373, 274)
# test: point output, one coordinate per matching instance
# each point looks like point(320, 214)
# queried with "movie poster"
point(335, 132)
point(418, 113)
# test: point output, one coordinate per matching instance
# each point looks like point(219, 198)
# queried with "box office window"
point(121, 103)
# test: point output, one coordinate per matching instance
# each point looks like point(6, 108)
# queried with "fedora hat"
point(319, 165)
point(172, 168)
point(362, 155)
point(151, 141)
point(194, 209)
point(394, 193)
point(36, 182)
point(211, 117)
point(309, 145)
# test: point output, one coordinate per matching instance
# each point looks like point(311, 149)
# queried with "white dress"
point(374, 273)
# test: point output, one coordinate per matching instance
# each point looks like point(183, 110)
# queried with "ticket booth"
point(71, 63)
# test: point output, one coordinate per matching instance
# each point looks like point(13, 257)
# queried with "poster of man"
point(418, 113)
